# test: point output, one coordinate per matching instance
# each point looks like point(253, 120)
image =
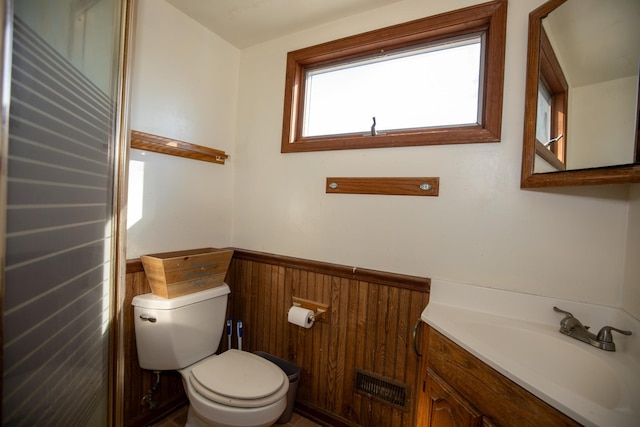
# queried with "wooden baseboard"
point(321, 417)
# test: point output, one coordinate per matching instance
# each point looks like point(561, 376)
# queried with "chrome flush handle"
point(148, 317)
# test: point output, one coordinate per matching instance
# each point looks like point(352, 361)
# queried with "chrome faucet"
point(572, 327)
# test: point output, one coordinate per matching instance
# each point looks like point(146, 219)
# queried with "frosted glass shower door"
point(59, 257)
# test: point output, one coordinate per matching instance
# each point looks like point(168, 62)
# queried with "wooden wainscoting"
point(368, 326)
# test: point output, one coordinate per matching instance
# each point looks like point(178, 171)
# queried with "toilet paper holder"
point(318, 308)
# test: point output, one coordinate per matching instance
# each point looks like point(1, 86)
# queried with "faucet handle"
point(566, 313)
point(568, 323)
point(605, 334)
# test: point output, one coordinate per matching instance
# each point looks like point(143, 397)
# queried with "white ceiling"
point(591, 28)
point(244, 23)
point(596, 40)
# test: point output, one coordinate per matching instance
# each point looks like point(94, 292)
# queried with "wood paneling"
point(369, 326)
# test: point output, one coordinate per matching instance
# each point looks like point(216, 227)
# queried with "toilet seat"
point(240, 379)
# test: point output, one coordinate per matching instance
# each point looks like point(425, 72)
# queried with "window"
point(437, 80)
point(439, 87)
point(553, 99)
point(543, 124)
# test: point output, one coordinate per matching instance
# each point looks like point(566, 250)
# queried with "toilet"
point(233, 389)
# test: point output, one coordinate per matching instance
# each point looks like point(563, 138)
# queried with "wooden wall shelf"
point(173, 147)
point(387, 186)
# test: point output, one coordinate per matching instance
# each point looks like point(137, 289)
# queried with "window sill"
point(436, 136)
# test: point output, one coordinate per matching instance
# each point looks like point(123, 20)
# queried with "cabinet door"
point(447, 408)
point(488, 422)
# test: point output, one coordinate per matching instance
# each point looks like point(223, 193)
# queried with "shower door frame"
point(119, 216)
point(6, 41)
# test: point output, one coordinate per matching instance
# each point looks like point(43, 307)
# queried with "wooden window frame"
point(552, 77)
point(490, 18)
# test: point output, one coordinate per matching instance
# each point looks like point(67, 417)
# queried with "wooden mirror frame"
point(621, 174)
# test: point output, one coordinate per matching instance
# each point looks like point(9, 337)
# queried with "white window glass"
point(543, 121)
point(432, 86)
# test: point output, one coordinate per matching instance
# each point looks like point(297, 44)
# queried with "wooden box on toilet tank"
point(173, 274)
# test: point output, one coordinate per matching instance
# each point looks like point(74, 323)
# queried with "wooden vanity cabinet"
point(458, 389)
point(447, 408)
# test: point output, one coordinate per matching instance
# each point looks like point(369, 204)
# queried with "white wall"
point(482, 229)
point(631, 290)
point(184, 86)
point(601, 126)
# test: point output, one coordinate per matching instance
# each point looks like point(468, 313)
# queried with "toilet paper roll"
point(301, 317)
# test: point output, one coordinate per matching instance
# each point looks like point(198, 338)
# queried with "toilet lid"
point(238, 375)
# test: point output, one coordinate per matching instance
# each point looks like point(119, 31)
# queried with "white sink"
point(593, 386)
point(553, 357)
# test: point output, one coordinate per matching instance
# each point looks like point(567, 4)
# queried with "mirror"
point(581, 101)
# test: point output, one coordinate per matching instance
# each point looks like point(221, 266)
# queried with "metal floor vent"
point(384, 389)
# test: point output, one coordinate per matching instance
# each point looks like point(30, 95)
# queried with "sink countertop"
point(518, 335)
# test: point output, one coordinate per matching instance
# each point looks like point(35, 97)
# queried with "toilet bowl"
point(233, 389)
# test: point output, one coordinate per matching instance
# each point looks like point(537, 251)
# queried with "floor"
point(179, 418)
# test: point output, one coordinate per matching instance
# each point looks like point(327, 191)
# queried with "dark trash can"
point(292, 371)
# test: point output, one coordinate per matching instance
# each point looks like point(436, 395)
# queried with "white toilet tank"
point(177, 332)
